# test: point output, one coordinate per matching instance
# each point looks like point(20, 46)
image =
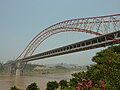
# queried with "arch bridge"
point(106, 28)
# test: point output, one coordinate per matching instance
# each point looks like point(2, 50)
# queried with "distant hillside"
point(60, 67)
point(30, 67)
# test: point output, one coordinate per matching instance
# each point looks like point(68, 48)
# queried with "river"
point(7, 81)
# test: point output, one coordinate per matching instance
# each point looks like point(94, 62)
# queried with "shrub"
point(14, 88)
point(32, 86)
point(52, 85)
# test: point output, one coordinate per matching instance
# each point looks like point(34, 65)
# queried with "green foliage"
point(63, 84)
point(32, 86)
point(53, 85)
point(77, 77)
point(14, 88)
point(107, 69)
point(108, 66)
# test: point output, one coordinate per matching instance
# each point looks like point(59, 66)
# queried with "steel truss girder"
point(92, 43)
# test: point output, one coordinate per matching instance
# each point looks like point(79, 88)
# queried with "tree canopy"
point(52, 85)
point(108, 66)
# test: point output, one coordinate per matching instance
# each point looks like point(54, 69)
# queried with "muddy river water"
point(7, 81)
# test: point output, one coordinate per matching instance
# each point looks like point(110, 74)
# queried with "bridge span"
point(106, 28)
point(97, 42)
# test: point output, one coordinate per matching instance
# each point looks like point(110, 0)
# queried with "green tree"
point(76, 78)
point(63, 84)
point(107, 66)
point(52, 85)
point(107, 69)
point(1, 67)
point(32, 86)
point(14, 88)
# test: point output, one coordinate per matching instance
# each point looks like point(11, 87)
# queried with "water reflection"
point(19, 82)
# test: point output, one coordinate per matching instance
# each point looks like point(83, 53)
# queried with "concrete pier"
point(18, 72)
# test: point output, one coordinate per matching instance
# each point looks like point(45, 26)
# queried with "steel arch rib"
point(94, 25)
point(40, 41)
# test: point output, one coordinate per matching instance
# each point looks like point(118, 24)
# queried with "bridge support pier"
point(18, 72)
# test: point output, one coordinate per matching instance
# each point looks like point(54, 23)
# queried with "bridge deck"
point(101, 41)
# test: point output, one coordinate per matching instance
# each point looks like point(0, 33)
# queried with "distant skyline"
point(21, 20)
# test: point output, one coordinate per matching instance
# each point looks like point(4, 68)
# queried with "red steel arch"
point(99, 25)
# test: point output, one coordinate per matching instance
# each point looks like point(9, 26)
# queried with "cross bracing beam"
point(97, 42)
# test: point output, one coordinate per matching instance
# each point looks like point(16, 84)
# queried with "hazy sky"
point(21, 20)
